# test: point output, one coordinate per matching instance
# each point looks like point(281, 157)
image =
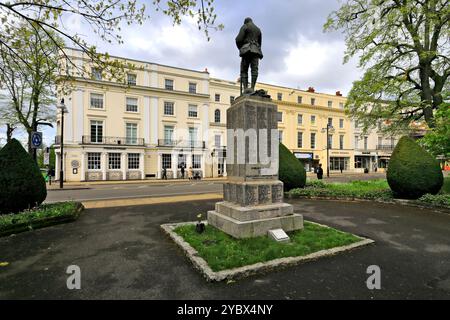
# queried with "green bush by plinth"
point(22, 185)
point(291, 171)
point(412, 171)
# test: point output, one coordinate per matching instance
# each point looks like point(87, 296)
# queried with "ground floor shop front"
point(96, 163)
point(371, 161)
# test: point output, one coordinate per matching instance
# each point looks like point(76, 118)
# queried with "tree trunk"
point(30, 149)
point(426, 95)
point(9, 132)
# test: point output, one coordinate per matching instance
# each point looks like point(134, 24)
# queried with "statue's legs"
point(245, 64)
point(254, 65)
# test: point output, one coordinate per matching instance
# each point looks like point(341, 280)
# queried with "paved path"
point(123, 254)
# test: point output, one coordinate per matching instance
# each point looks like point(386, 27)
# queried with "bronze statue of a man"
point(248, 42)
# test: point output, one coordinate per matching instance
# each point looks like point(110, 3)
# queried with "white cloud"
point(311, 62)
point(308, 57)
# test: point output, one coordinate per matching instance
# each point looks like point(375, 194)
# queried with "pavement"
point(123, 254)
point(108, 190)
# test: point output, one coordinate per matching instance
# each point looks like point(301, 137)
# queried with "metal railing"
point(181, 143)
point(385, 147)
point(126, 141)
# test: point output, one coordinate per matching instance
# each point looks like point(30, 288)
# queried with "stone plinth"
point(253, 195)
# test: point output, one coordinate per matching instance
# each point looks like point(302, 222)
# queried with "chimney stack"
point(311, 89)
point(338, 93)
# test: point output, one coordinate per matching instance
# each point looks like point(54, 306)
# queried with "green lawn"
point(370, 185)
point(372, 189)
point(364, 186)
point(222, 251)
point(369, 190)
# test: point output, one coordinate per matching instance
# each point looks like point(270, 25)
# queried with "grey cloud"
point(282, 24)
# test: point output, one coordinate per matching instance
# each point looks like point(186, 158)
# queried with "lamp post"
point(62, 108)
point(212, 164)
point(328, 129)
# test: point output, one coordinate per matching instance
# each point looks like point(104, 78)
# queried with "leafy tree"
point(29, 83)
point(404, 47)
point(103, 17)
point(437, 140)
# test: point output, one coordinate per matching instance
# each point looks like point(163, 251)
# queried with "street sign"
point(46, 158)
point(36, 140)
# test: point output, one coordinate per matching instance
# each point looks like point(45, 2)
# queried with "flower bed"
point(40, 217)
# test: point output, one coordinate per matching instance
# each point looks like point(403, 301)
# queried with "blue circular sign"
point(36, 139)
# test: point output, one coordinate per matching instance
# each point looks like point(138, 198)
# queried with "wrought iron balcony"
point(126, 141)
point(385, 147)
point(181, 143)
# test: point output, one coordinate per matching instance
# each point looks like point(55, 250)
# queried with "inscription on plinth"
point(253, 195)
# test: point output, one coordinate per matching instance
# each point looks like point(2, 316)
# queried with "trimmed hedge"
point(412, 171)
point(22, 185)
point(291, 172)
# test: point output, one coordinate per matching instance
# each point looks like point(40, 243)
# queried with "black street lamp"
point(212, 163)
point(329, 129)
point(63, 109)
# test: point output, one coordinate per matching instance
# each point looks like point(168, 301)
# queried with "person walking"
point(164, 173)
point(190, 176)
point(320, 172)
point(341, 168)
point(182, 171)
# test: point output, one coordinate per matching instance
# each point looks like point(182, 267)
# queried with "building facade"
point(162, 119)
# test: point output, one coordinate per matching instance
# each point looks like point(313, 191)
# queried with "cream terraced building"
point(168, 117)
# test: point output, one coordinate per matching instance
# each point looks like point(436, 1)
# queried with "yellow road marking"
point(153, 200)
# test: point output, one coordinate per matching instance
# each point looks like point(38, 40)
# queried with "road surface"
point(146, 189)
point(123, 254)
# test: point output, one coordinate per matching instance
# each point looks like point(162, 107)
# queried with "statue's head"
point(247, 20)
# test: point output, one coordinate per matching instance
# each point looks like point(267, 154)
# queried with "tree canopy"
point(29, 84)
point(103, 17)
point(403, 47)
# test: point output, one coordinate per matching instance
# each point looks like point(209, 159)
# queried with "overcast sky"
point(297, 53)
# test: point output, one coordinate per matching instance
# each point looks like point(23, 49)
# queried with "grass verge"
point(368, 190)
point(39, 217)
point(223, 252)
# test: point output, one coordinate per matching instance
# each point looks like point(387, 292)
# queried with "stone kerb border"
point(260, 267)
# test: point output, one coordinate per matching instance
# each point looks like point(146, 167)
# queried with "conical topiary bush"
point(22, 185)
point(412, 171)
point(291, 172)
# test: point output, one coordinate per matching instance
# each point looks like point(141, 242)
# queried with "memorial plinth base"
point(254, 228)
point(253, 196)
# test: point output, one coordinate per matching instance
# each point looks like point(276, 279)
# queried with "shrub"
point(291, 171)
point(413, 172)
point(22, 185)
point(382, 194)
point(441, 200)
point(315, 184)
